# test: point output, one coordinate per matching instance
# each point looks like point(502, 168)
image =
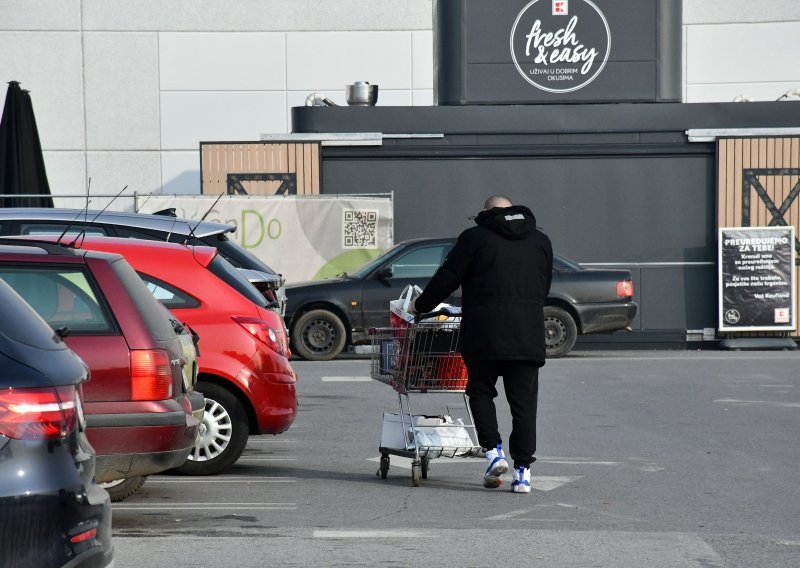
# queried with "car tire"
point(121, 489)
point(318, 335)
point(560, 332)
point(223, 433)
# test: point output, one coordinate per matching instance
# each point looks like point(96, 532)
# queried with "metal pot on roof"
point(361, 93)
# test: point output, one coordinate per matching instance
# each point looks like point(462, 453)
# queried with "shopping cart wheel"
point(384, 470)
point(425, 465)
point(416, 473)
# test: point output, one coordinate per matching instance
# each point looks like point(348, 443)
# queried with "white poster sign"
point(303, 238)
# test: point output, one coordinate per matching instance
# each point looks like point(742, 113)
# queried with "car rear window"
point(62, 296)
point(17, 322)
point(152, 312)
point(169, 296)
point(226, 272)
point(67, 229)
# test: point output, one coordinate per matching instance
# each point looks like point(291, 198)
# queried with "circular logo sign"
point(732, 316)
point(560, 46)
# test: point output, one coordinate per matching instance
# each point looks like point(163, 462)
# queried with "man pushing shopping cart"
point(504, 266)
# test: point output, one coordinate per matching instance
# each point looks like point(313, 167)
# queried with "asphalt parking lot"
point(671, 458)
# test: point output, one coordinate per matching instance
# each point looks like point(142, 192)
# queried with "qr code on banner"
point(360, 228)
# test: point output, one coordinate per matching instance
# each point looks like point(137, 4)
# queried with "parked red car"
point(245, 375)
point(138, 411)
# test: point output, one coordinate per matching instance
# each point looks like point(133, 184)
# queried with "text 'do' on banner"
point(757, 279)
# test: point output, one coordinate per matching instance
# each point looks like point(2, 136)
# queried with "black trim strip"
point(176, 418)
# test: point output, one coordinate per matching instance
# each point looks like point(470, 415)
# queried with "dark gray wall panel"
point(614, 209)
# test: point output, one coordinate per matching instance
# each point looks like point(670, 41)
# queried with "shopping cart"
point(422, 357)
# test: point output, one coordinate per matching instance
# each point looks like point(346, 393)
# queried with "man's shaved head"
point(497, 201)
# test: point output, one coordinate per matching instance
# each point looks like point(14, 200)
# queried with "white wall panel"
point(216, 61)
point(422, 97)
point(743, 52)
point(122, 91)
point(180, 172)
point(256, 15)
point(331, 60)
point(36, 15)
point(730, 11)
point(111, 171)
point(66, 172)
point(55, 83)
point(191, 117)
point(422, 46)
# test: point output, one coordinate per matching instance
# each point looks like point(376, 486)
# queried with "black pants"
point(521, 383)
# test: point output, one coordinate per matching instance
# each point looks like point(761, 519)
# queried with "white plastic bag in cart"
point(400, 317)
point(398, 309)
point(448, 435)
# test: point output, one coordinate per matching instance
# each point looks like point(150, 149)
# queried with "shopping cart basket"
point(422, 357)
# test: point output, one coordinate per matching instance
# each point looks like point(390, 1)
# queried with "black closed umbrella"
point(22, 168)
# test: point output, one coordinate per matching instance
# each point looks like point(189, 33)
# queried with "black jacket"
point(504, 267)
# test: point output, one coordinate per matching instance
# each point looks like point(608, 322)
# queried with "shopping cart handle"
point(442, 312)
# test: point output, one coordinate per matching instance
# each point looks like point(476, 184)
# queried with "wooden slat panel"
point(316, 166)
point(308, 178)
point(300, 159)
point(771, 155)
point(737, 177)
point(300, 171)
point(214, 158)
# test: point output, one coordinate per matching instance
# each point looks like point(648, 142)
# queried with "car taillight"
point(625, 289)
point(151, 375)
point(265, 333)
point(38, 413)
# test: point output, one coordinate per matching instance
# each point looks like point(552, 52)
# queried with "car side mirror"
point(384, 273)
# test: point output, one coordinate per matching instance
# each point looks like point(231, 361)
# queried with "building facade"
point(124, 92)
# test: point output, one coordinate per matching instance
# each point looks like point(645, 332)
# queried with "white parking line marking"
point(178, 507)
point(371, 534)
point(548, 483)
point(405, 463)
point(225, 480)
point(245, 458)
point(764, 402)
point(345, 379)
point(729, 357)
point(509, 515)
point(576, 461)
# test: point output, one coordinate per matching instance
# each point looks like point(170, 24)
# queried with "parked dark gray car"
point(52, 513)
point(324, 317)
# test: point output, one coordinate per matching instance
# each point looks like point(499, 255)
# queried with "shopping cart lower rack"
point(416, 359)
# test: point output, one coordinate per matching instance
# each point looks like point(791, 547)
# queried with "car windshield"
point(565, 264)
point(363, 270)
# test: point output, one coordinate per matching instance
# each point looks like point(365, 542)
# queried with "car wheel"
point(318, 335)
point(223, 433)
point(560, 332)
point(121, 489)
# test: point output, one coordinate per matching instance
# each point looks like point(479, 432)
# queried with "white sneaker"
point(522, 480)
point(497, 466)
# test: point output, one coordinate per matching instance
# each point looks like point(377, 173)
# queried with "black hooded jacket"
point(504, 266)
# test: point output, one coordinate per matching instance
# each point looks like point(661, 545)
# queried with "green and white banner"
point(303, 238)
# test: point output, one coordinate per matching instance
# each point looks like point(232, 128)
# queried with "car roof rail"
point(47, 246)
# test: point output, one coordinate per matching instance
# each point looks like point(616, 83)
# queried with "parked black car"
point(324, 317)
point(154, 227)
point(52, 513)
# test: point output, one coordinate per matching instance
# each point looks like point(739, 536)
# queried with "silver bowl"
point(361, 93)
